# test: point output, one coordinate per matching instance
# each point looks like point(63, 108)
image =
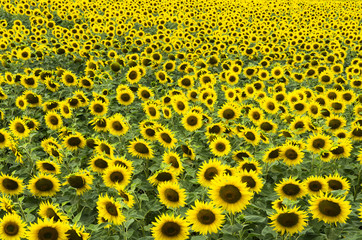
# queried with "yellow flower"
point(289, 221)
point(12, 227)
point(171, 195)
point(110, 210)
point(169, 227)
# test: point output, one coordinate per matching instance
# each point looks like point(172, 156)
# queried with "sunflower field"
point(180, 119)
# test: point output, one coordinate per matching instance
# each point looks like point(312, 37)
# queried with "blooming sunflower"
point(4, 138)
point(12, 227)
point(140, 148)
point(162, 176)
point(99, 163)
point(18, 128)
point(98, 108)
point(230, 193)
point(47, 229)
point(337, 182)
point(117, 177)
point(10, 185)
point(341, 149)
point(205, 218)
point(48, 210)
point(128, 198)
point(171, 195)
point(125, 96)
point(315, 185)
point(74, 141)
point(48, 166)
point(104, 148)
point(53, 120)
point(192, 121)
point(241, 155)
point(208, 171)
point(335, 122)
point(220, 146)
point(69, 78)
point(249, 165)
point(270, 105)
point(110, 210)
point(76, 232)
point(289, 221)
point(44, 185)
point(133, 75)
point(272, 155)
point(278, 204)
point(318, 142)
point(80, 181)
point(329, 209)
point(290, 188)
point(251, 136)
point(180, 104)
point(166, 138)
point(174, 160)
point(229, 111)
point(169, 227)
point(117, 125)
point(292, 155)
point(252, 180)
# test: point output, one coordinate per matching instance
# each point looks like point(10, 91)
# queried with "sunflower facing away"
point(289, 221)
point(205, 218)
point(169, 227)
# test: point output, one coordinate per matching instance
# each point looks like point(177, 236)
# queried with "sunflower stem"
point(21, 208)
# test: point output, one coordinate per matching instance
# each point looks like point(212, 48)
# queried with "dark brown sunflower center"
point(228, 114)
point(98, 108)
point(48, 233)
point(73, 235)
point(335, 184)
point(271, 106)
point(10, 184)
point(19, 127)
point(299, 106)
point(69, 79)
point(2, 138)
point(117, 126)
point(210, 173)
point(250, 182)
point(172, 195)
point(291, 154)
point(206, 217)
point(192, 121)
point(116, 177)
point(145, 94)
point(230, 193)
point(164, 176)
point(249, 167)
point(74, 141)
point(180, 106)
point(150, 132)
point(357, 132)
point(274, 154)
point(266, 126)
point(256, 115)
point(166, 138)
point(133, 75)
point(76, 181)
point(329, 208)
point(174, 162)
point(220, 147)
point(318, 143)
point(32, 98)
point(111, 209)
point(334, 123)
point(170, 229)
point(291, 189)
point(299, 125)
point(250, 136)
point(125, 97)
point(315, 186)
point(186, 82)
point(29, 81)
point(100, 163)
point(11, 228)
point(288, 219)
point(152, 111)
point(50, 213)
point(44, 185)
point(53, 120)
point(141, 148)
point(337, 151)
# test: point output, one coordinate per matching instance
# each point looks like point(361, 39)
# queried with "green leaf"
point(255, 218)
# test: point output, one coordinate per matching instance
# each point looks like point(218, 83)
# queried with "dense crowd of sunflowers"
point(180, 119)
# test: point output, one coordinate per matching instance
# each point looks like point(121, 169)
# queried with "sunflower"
point(252, 180)
point(315, 185)
point(251, 136)
point(24, 54)
point(76, 232)
point(335, 122)
point(167, 113)
point(10, 185)
point(278, 204)
point(48, 166)
point(270, 105)
point(47, 229)
point(277, 72)
point(220, 146)
point(255, 115)
point(140, 148)
point(318, 142)
point(192, 121)
point(99, 163)
point(124, 96)
point(208, 171)
point(229, 111)
point(292, 155)
point(117, 125)
point(152, 110)
point(98, 108)
point(110, 210)
point(174, 160)
point(241, 155)
point(166, 138)
point(121, 161)
point(44, 185)
point(80, 181)
point(74, 141)
point(100, 124)
point(300, 124)
point(289, 221)
point(329, 209)
point(171, 195)
point(249, 165)
point(230, 193)
point(69, 78)
point(18, 128)
point(337, 182)
point(21, 103)
point(341, 149)
point(4, 138)
point(169, 227)
point(162, 176)
point(290, 188)
point(148, 132)
point(48, 210)
point(53, 120)
point(12, 227)
point(116, 177)
point(205, 218)
point(272, 155)
point(180, 104)
point(133, 75)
